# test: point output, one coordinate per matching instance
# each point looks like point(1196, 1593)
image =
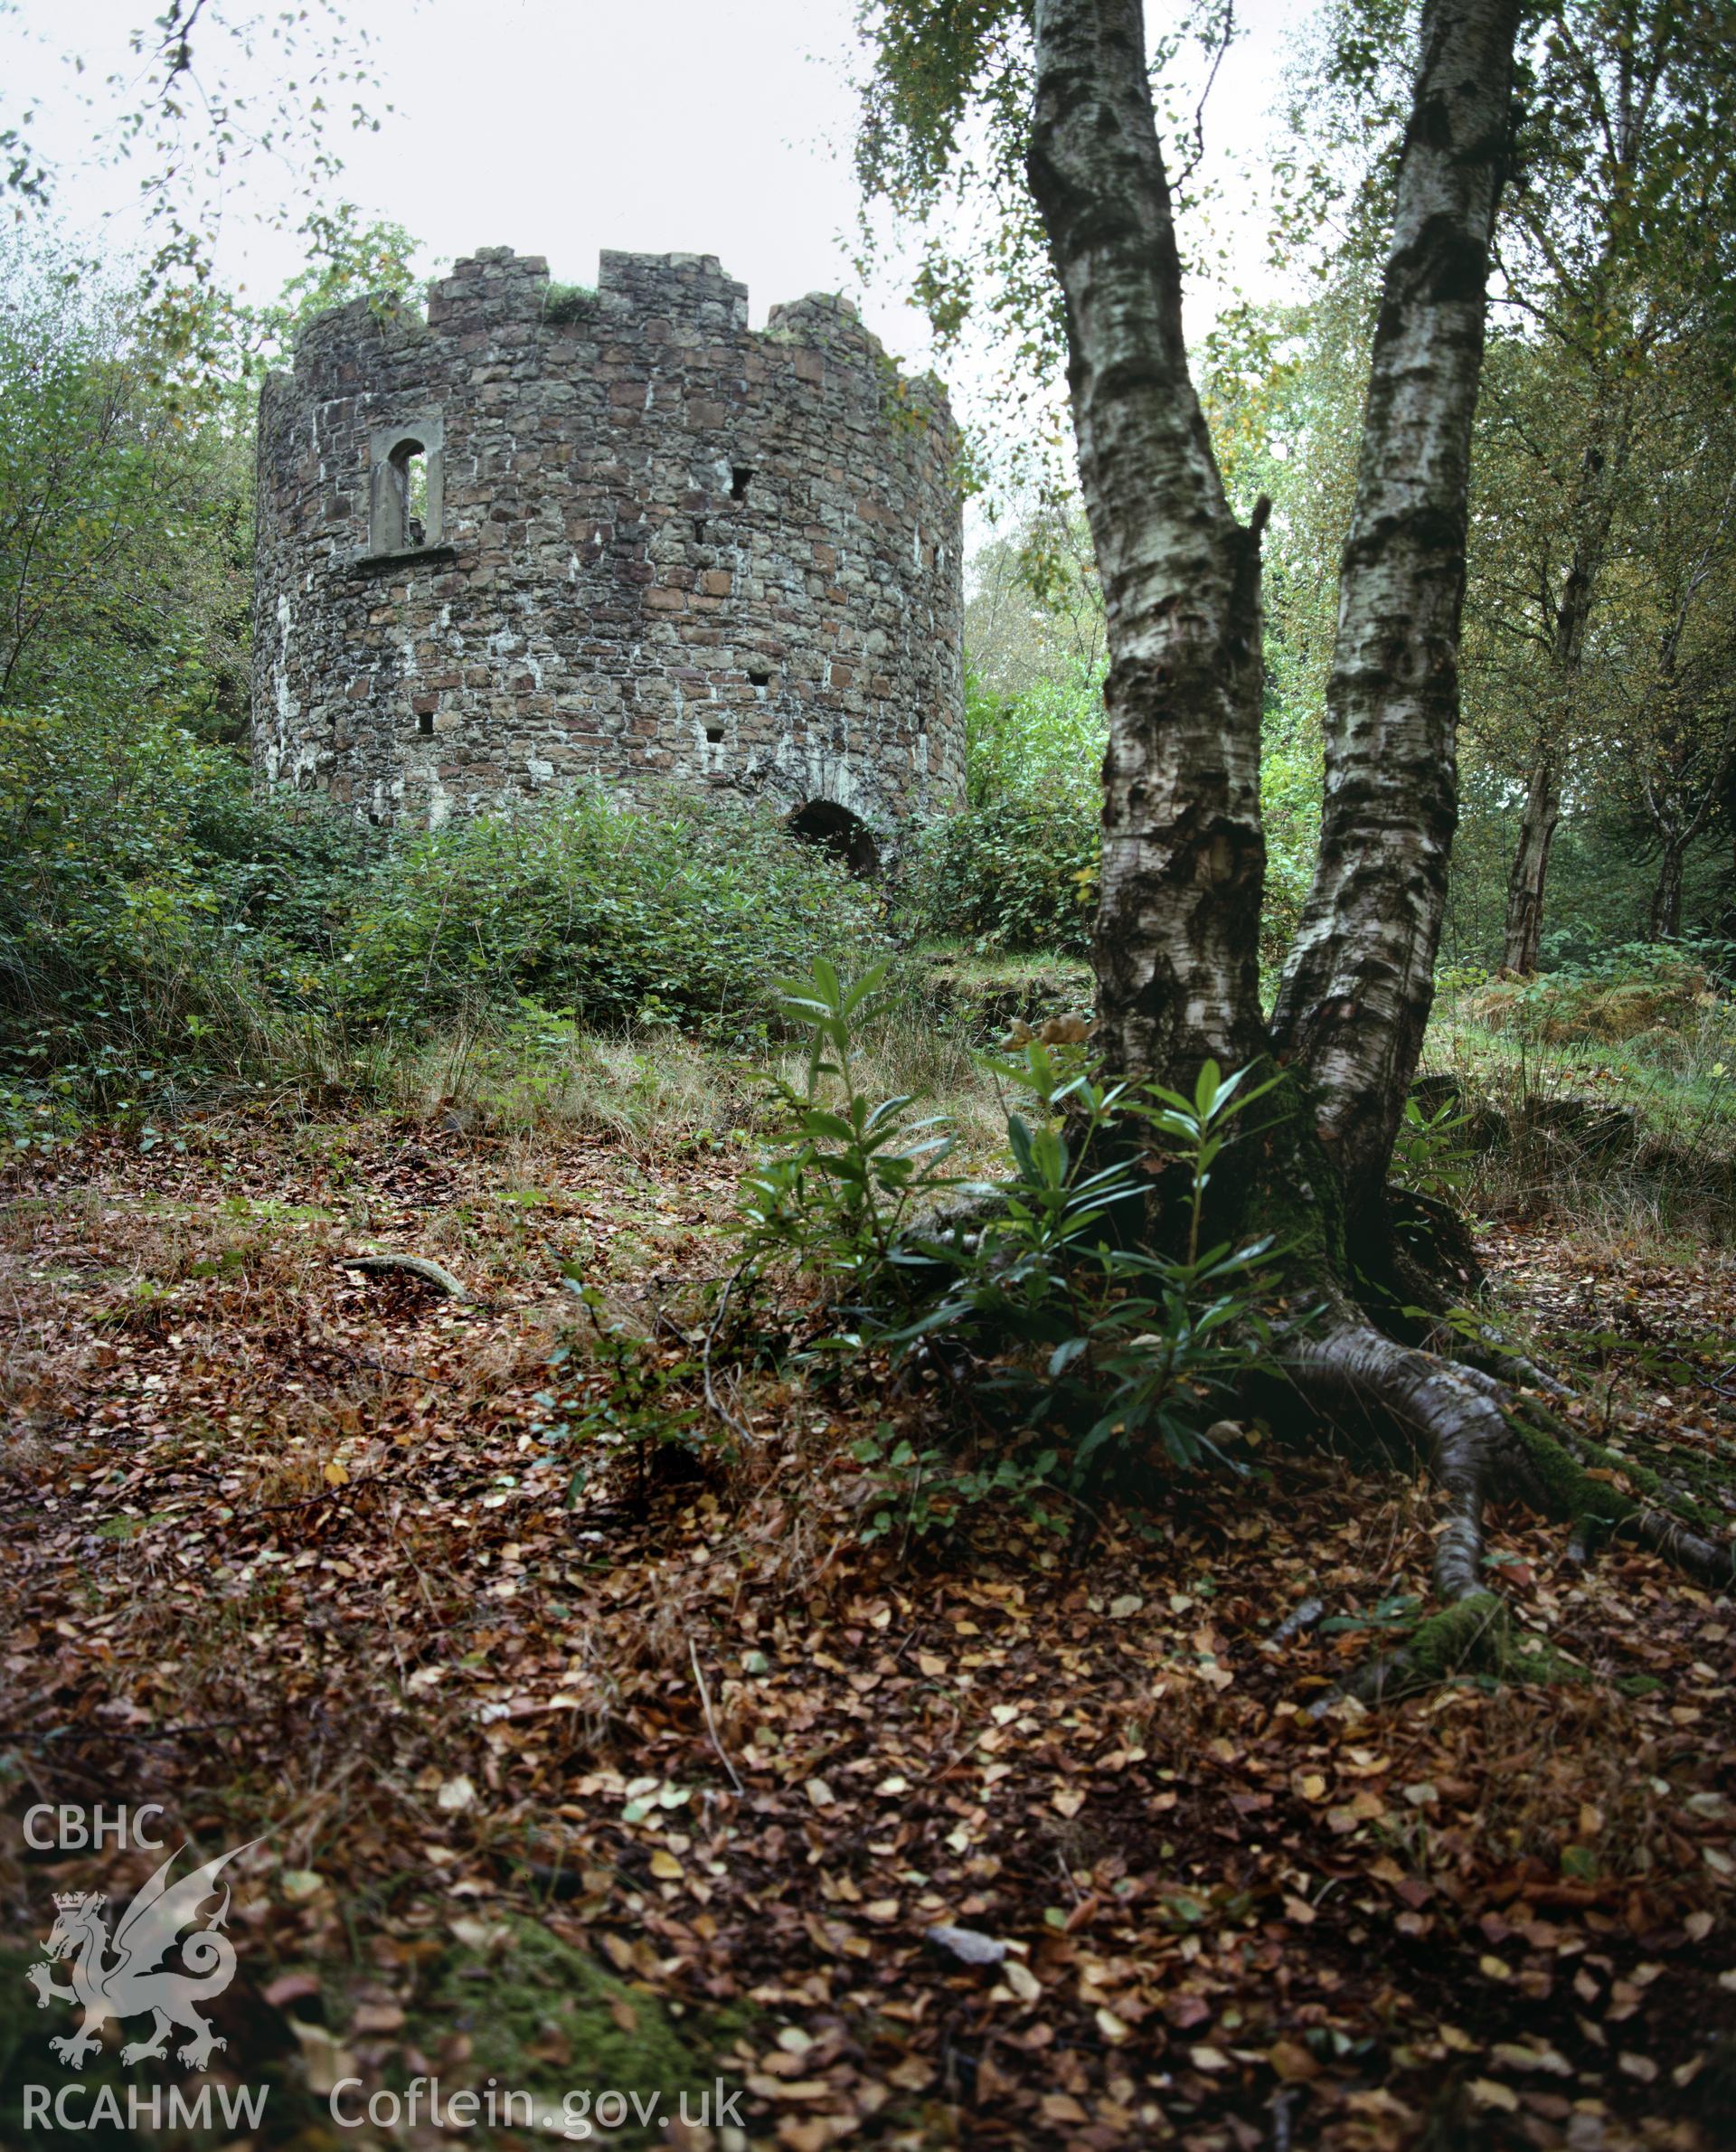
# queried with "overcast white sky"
point(561, 127)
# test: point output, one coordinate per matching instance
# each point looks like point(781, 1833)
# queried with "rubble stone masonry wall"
point(542, 539)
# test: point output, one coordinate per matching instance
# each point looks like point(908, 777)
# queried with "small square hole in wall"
point(714, 733)
point(741, 479)
point(760, 679)
point(425, 723)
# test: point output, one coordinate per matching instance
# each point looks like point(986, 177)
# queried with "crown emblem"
point(69, 1902)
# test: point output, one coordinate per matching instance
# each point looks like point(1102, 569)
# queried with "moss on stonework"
point(544, 2017)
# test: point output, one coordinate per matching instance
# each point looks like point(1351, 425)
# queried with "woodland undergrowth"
point(1095, 1344)
point(485, 1617)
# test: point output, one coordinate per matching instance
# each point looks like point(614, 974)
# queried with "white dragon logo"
point(133, 1981)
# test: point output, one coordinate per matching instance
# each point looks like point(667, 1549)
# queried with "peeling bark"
point(1183, 853)
point(1359, 982)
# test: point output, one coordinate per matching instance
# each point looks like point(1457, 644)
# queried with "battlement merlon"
point(383, 324)
point(653, 295)
point(692, 289)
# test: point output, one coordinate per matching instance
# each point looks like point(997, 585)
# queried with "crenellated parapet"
point(548, 536)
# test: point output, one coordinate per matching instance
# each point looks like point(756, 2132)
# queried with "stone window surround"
point(422, 432)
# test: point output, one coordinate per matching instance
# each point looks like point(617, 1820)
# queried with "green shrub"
point(1019, 874)
point(681, 917)
point(1082, 1347)
point(160, 927)
point(1044, 743)
point(1017, 868)
point(156, 923)
point(1628, 992)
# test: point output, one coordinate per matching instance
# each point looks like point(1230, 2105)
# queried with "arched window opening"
point(405, 495)
point(834, 829)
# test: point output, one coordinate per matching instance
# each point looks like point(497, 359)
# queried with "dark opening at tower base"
point(834, 829)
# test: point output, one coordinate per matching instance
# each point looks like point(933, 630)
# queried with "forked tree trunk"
point(1183, 854)
point(1529, 874)
point(1178, 926)
point(1183, 849)
point(1359, 982)
point(1183, 846)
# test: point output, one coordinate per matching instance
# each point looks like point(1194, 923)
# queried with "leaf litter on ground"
point(287, 1547)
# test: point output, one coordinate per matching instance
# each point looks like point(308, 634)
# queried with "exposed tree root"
point(1421, 1292)
point(1354, 1376)
point(1583, 1477)
point(1393, 1363)
point(1484, 1439)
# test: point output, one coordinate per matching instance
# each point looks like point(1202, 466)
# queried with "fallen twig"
point(710, 1723)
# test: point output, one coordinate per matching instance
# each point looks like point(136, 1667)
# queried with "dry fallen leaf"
point(323, 2056)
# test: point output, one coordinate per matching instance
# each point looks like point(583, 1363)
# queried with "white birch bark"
point(1184, 856)
point(1359, 981)
point(1183, 846)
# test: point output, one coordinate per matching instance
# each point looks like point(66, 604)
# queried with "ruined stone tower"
point(546, 538)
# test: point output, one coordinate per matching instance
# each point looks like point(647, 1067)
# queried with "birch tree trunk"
point(1183, 854)
point(1529, 874)
point(1357, 987)
point(1183, 858)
